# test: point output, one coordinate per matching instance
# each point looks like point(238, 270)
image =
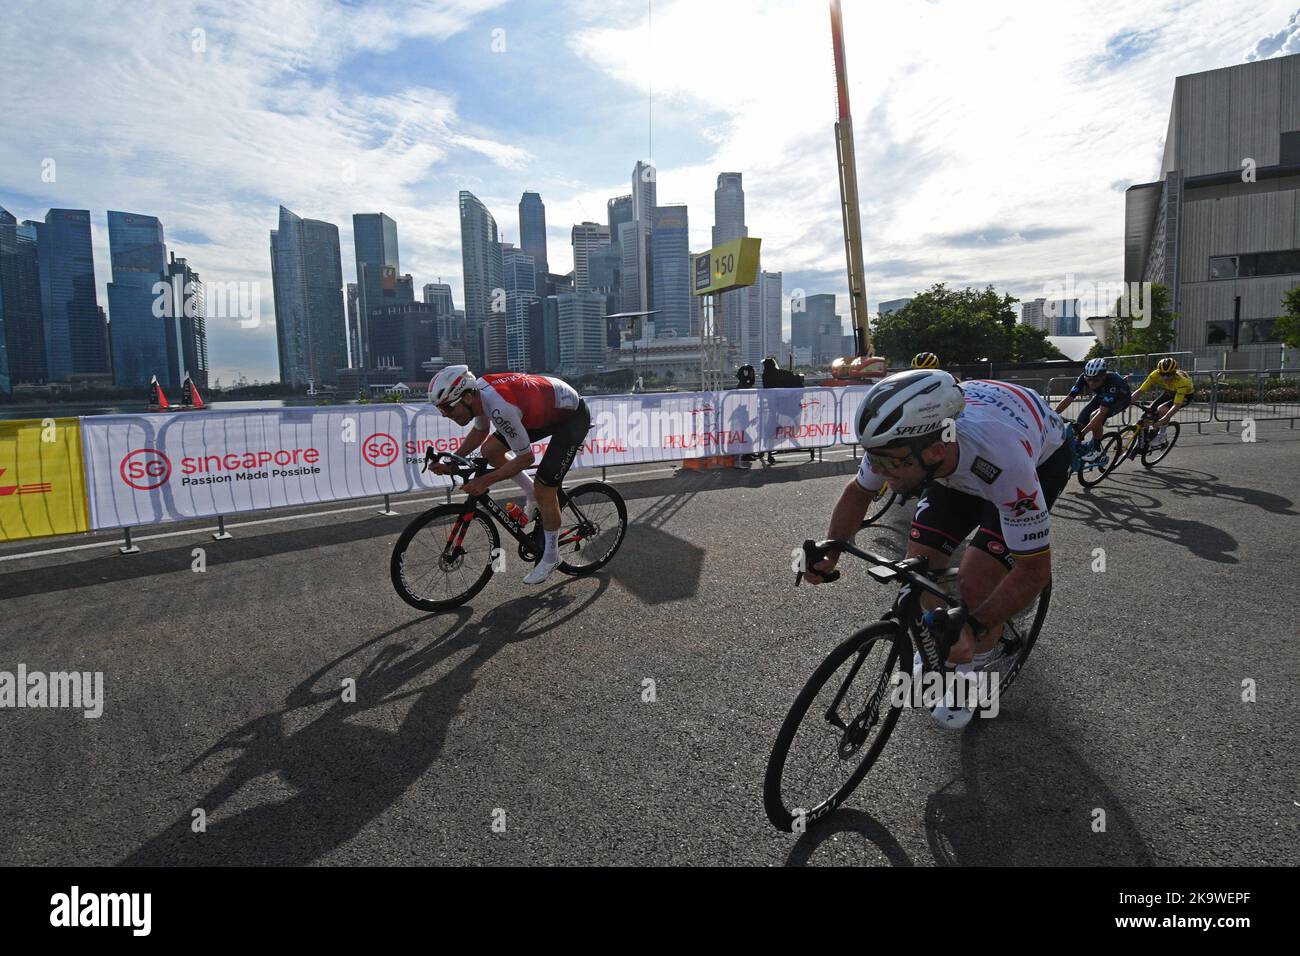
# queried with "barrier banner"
point(142, 469)
point(851, 397)
point(42, 479)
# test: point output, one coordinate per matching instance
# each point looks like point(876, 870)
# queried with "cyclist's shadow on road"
point(858, 823)
point(1025, 802)
point(1138, 512)
point(330, 773)
point(1190, 483)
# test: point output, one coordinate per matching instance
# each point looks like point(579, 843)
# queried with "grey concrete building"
point(1221, 224)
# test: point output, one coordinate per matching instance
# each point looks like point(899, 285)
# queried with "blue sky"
point(994, 140)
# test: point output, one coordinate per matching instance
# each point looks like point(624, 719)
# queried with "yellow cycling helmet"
point(925, 360)
point(1167, 366)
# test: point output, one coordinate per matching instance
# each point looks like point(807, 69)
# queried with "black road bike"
point(449, 553)
point(1138, 439)
point(845, 713)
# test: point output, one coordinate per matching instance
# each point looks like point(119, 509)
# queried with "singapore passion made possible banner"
point(145, 469)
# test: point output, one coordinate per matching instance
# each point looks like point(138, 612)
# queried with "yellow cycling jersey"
point(1180, 383)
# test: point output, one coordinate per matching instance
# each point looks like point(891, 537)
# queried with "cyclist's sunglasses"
point(446, 407)
point(888, 462)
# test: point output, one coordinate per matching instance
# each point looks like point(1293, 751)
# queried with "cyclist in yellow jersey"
point(1177, 390)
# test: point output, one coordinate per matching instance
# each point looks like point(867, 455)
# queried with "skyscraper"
point(519, 272)
point(22, 333)
point(586, 237)
point(728, 224)
point(185, 325)
point(76, 336)
point(644, 192)
point(438, 295)
point(581, 322)
point(307, 276)
point(374, 238)
point(671, 270)
point(532, 235)
point(619, 210)
point(404, 337)
point(451, 336)
point(138, 335)
point(634, 266)
point(771, 293)
point(354, 326)
point(481, 258)
point(825, 328)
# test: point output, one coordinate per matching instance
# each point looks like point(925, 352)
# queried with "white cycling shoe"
point(543, 571)
point(945, 714)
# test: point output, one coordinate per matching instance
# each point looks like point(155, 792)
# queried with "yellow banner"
point(42, 480)
point(728, 266)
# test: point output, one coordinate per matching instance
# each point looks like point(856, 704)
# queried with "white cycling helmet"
point(450, 384)
point(908, 406)
point(1094, 367)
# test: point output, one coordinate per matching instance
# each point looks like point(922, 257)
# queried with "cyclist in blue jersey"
point(1110, 396)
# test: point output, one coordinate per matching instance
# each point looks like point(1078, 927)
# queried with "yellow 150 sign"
point(728, 266)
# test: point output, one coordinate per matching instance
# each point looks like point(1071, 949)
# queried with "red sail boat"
point(190, 397)
point(157, 398)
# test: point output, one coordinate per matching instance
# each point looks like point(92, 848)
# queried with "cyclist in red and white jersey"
point(518, 409)
point(988, 457)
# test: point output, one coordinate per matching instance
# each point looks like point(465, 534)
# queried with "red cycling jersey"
point(517, 403)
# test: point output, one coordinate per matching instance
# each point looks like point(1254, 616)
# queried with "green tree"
point(1156, 336)
point(958, 326)
point(1287, 327)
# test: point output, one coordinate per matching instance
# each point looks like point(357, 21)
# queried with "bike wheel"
point(1124, 447)
point(1150, 458)
point(837, 743)
point(1019, 634)
point(880, 504)
point(444, 557)
point(592, 524)
point(1109, 451)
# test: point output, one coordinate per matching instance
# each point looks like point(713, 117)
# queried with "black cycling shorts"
point(566, 438)
point(1122, 402)
point(944, 516)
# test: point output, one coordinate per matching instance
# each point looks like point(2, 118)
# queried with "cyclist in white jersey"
point(986, 456)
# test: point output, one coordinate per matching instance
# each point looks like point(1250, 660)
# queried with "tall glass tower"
point(307, 274)
point(374, 236)
point(480, 253)
point(532, 235)
point(22, 334)
point(671, 267)
point(76, 337)
point(139, 337)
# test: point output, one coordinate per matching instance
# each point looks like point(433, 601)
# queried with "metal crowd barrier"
point(1258, 394)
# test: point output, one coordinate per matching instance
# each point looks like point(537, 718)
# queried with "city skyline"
point(1051, 161)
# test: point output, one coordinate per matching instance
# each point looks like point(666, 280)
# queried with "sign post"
point(732, 265)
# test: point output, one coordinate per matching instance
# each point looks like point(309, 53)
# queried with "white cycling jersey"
point(1003, 435)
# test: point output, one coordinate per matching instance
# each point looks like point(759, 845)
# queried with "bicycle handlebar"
point(462, 468)
point(945, 622)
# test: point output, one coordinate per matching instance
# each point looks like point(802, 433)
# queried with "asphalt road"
point(223, 690)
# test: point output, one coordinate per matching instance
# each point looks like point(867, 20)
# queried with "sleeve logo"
point(985, 470)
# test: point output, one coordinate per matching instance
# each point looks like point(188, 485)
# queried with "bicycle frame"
point(914, 579)
point(527, 542)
